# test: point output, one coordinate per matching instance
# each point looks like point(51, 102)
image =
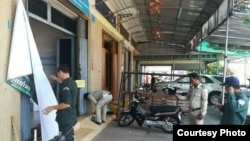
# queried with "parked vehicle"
point(162, 117)
point(145, 88)
point(212, 82)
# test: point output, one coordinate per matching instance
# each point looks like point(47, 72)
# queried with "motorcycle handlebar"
point(140, 100)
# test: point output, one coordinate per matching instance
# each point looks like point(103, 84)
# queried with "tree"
point(241, 5)
point(212, 68)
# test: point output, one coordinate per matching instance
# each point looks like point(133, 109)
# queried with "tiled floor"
point(86, 130)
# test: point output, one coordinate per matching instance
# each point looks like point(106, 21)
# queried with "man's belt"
point(195, 109)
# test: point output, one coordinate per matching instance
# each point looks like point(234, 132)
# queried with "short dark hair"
point(64, 68)
point(194, 75)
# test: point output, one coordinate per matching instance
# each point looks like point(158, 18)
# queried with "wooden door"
point(106, 69)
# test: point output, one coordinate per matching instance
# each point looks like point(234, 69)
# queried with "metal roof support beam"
point(204, 57)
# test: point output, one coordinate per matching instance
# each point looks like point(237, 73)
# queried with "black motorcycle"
point(172, 91)
point(161, 117)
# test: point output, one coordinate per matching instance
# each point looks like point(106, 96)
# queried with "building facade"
point(96, 52)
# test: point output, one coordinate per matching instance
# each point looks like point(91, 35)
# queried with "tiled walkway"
point(111, 132)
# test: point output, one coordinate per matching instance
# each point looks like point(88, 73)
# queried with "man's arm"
point(91, 98)
point(236, 105)
point(60, 106)
point(181, 97)
point(53, 77)
point(186, 97)
point(204, 101)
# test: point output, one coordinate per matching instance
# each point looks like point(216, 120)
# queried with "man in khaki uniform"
point(101, 99)
point(197, 96)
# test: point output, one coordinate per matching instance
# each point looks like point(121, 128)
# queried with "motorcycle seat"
point(164, 109)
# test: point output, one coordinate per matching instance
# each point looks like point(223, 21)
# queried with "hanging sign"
point(82, 5)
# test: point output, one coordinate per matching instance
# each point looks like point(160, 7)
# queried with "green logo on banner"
point(22, 84)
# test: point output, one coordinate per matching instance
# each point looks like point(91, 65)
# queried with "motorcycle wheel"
point(125, 119)
point(170, 122)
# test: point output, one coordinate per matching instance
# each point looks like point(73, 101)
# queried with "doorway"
point(65, 55)
point(106, 76)
point(109, 65)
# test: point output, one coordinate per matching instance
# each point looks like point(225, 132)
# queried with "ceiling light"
point(157, 33)
point(154, 7)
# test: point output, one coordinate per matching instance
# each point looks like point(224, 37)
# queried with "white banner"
point(24, 59)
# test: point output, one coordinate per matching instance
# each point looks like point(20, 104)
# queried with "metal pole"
point(119, 96)
point(225, 55)
point(245, 71)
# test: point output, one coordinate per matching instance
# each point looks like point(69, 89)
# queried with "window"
point(184, 80)
point(38, 7)
point(220, 78)
point(63, 21)
point(206, 80)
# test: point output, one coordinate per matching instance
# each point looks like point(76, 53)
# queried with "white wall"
point(241, 70)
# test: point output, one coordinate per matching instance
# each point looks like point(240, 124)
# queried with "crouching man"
point(101, 99)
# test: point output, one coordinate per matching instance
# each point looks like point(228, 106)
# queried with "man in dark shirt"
point(234, 111)
point(66, 108)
